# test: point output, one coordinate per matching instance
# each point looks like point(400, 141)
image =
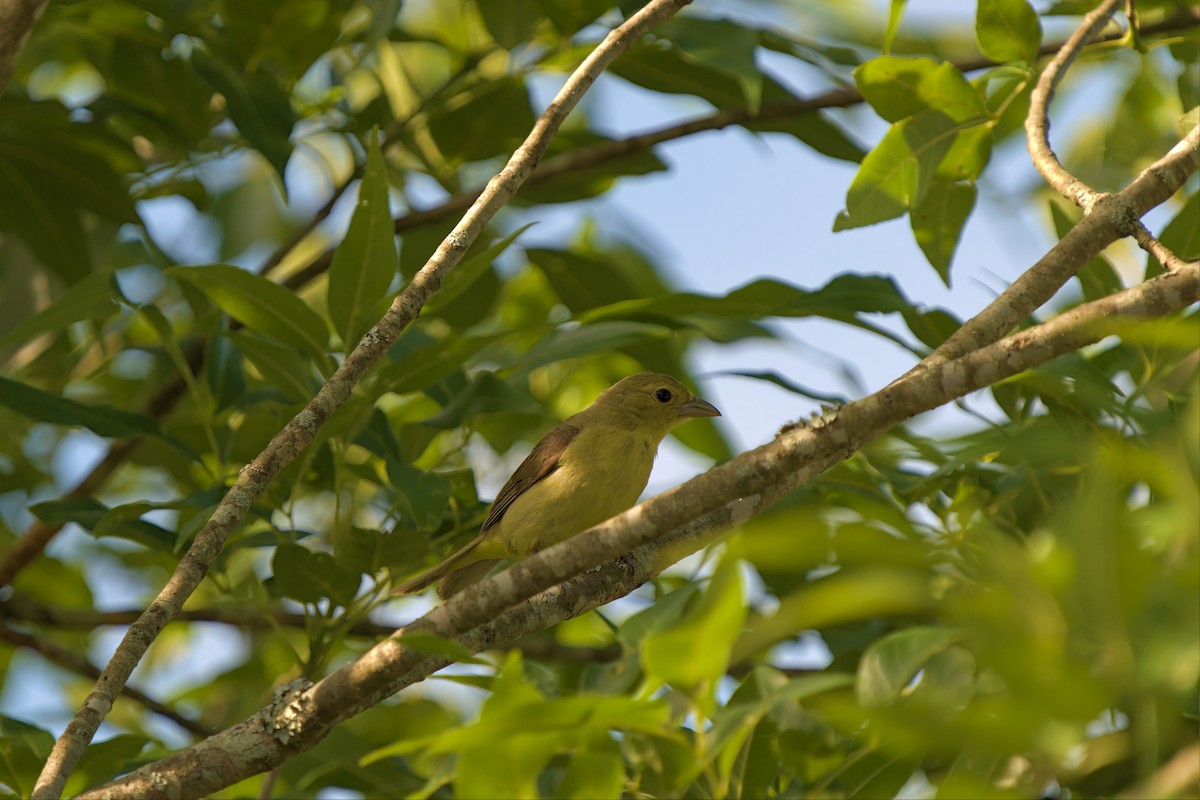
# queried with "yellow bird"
point(592, 466)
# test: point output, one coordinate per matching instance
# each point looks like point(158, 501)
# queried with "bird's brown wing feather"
point(537, 465)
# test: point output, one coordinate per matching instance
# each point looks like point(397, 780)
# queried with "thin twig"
point(20, 607)
point(77, 663)
point(301, 430)
point(1037, 122)
point(1161, 253)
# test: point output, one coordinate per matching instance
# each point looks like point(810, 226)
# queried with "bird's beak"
point(698, 408)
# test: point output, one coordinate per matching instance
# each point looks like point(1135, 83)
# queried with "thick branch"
point(301, 430)
point(517, 602)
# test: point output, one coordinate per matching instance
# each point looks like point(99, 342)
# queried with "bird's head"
point(654, 399)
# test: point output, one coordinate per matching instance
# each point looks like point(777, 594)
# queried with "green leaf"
point(285, 368)
point(427, 494)
point(1008, 30)
point(510, 22)
point(588, 340)
point(899, 87)
point(895, 16)
point(571, 15)
point(672, 71)
point(593, 774)
point(697, 650)
point(53, 168)
point(817, 131)
point(464, 277)
point(23, 750)
point(260, 304)
point(258, 107)
point(105, 760)
point(224, 372)
point(103, 420)
point(895, 176)
point(122, 522)
point(582, 182)
point(1181, 235)
point(366, 260)
point(487, 394)
point(890, 663)
point(727, 46)
point(487, 120)
point(938, 221)
point(91, 298)
point(309, 576)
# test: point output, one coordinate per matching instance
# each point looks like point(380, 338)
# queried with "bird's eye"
point(663, 395)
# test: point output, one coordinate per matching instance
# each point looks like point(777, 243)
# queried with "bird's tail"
point(459, 579)
point(437, 573)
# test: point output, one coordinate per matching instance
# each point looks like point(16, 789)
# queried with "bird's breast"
point(601, 474)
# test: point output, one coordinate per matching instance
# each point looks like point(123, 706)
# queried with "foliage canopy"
point(1009, 611)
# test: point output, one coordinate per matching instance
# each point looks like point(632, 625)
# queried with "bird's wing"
point(537, 465)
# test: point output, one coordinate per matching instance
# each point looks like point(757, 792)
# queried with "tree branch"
point(17, 18)
point(20, 607)
point(302, 428)
point(1111, 218)
point(35, 539)
point(1037, 122)
point(77, 663)
point(518, 602)
point(1176, 778)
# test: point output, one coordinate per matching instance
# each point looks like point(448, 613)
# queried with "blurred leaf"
point(582, 181)
point(1008, 30)
point(510, 22)
point(258, 107)
point(1181, 235)
point(897, 174)
point(366, 261)
point(122, 522)
point(309, 576)
point(52, 169)
point(25, 748)
point(225, 372)
point(488, 120)
point(93, 297)
point(697, 649)
point(105, 760)
point(465, 277)
point(285, 368)
point(262, 305)
point(722, 44)
point(487, 394)
point(588, 340)
point(425, 493)
point(890, 664)
point(571, 15)
point(101, 419)
point(672, 71)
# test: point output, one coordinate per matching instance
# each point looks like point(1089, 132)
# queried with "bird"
point(590, 467)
